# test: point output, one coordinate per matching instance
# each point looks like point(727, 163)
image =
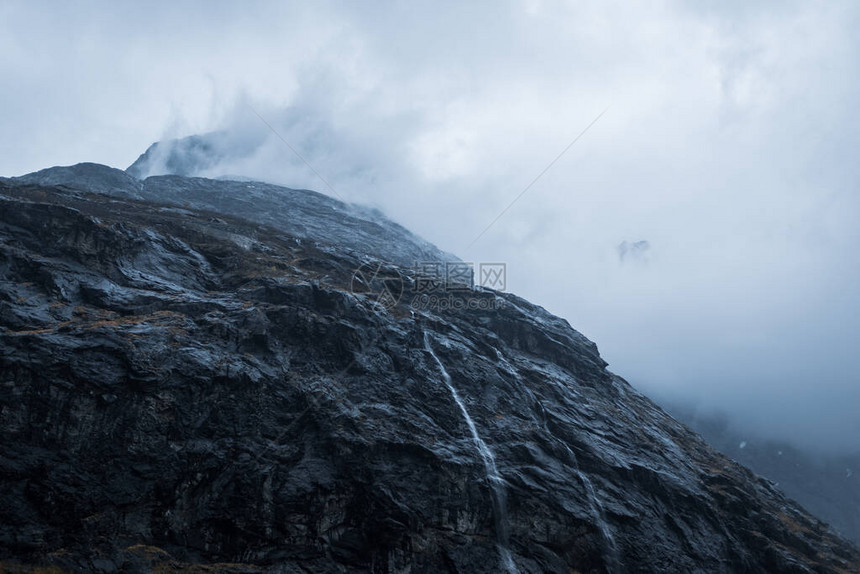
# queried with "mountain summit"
point(197, 375)
point(192, 155)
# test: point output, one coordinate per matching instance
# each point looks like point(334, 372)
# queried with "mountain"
point(302, 214)
point(217, 376)
point(193, 155)
point(828, 485)
point(91, 177)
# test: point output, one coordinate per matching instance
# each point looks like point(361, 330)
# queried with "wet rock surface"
point(828, 485)
point(302, 214)
point(181, 387)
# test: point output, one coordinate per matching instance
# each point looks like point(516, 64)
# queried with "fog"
point(703, 231)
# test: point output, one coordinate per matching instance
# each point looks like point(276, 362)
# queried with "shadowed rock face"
point(182, 387)
point(827, 485)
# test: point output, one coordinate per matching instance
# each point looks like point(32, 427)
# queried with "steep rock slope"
point(182, 387)
point(826, 484)
point(301, 213)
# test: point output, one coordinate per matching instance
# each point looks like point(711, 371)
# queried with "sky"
point(723, 150)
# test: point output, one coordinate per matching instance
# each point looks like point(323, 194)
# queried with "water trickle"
point(494, 479)
point(599, 515)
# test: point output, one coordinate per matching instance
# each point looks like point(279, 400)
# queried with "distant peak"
point(195, 155)
point(87, 176)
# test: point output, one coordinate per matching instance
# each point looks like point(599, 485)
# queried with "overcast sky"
point(729, 143)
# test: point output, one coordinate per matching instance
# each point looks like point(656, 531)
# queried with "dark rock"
point(827, 484)
point(179, 388)
point(301, 214)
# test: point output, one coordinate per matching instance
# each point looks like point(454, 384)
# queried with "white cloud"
point(728, 146)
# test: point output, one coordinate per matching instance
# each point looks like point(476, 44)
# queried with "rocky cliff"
point(826, 484)
point(193, 377)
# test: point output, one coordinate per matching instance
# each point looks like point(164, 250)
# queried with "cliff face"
point(826, 484)
point(180, 386)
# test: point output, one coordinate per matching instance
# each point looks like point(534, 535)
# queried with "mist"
point(724, 153)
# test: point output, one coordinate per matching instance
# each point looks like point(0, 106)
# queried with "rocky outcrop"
point(193, 155)
point(827, 484)
point(303, 214)
point(182, 388)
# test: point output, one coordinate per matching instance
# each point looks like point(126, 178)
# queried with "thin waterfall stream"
point(494, 479)
point(597, 511)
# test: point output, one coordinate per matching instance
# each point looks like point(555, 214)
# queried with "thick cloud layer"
point(727, 147)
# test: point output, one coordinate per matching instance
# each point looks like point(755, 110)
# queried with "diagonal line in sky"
point(297, 154)
point(540, 175)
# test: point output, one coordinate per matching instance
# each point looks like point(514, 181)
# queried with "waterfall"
point(610, 548)
point(494, 479)
point(598, 513)
point(600, 517)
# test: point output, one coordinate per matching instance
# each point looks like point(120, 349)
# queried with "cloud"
point(728, 144)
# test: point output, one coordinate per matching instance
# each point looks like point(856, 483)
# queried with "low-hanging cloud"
point(727, 146)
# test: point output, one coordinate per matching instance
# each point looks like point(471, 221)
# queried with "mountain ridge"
point(303, 213)
point(186, 387)
point(826, 485)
